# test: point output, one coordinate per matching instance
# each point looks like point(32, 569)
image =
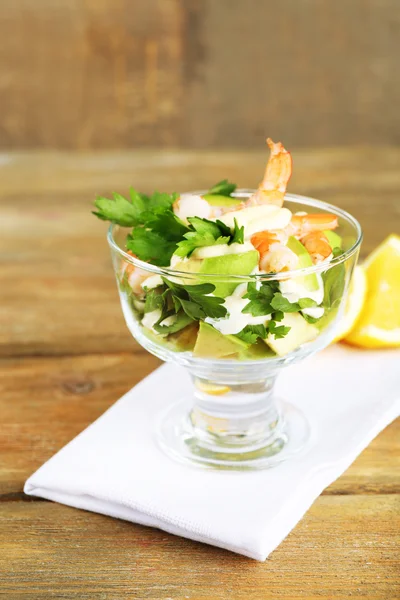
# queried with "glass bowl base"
point(178, 438)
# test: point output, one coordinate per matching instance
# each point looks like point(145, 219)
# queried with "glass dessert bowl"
point(233, 286)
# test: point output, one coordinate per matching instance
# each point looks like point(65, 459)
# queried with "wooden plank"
point(86, 74)
point(57, 290)
point(311, 73)
point(45, 402)
point(344, 547)
point(127, 73)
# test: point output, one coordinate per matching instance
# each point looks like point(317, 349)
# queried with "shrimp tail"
point(317, 244)
point(279, 168)
point(277, 174)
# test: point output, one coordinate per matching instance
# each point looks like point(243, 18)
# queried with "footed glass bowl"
point(233, 418)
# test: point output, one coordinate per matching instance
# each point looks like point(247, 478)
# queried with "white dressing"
point(236, 320)
point(258, 218)
point(151, 319)
point(152, 282)
point(293, 289)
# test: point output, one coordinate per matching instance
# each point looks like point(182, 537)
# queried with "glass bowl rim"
point(306, 200)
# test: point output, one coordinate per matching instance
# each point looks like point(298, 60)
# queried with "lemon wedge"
point(212, 389)
point(379, 322)
point(354, 304)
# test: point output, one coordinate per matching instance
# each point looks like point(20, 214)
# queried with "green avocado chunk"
point(334, 239)
point(300, 333)
point(213, 344)
point(228, 264)
point(219, 200)
point(310, 282)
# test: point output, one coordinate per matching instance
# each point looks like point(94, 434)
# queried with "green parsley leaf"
point(282, 304)
point(165, 222)
point(278, 332)
point(251, 333)
point(223, 188)
point(260, 299)
point(128, 212)
point(154, 300)
point(119, 210)
point(150, 246)
point(197, 240)
point(334, 284)
point(212, 306)
point(238, 234)
point(199, 289)
point(161, 200)
point(202, 233)
point(269, 301)
point(207, 233)
point(224, 229)
point(181, 321)
point(206, 227)
point(278, 315)
point(138, 200)
point(195, 300)
point(192, 309)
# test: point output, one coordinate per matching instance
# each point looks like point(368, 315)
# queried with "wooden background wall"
point(198, 73)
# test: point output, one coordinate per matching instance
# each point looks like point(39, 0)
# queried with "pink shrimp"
point(275, 256)
point(317, 245)
point(277, 174)
point(308, 228)
point(270, 191)
point(302, 224)
point(134, 275)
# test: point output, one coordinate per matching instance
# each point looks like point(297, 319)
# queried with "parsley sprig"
point(186, 303)
point(129, 212)
point(222, 188)
point(267, 300)
point(157, 232)
point(203, 232)
point(196, 300)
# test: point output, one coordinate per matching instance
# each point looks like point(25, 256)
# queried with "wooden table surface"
point(66, 356)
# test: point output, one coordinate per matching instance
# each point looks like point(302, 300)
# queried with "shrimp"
point(318, 246)
point(302, 224)
point(308, 228)
point(270, 191)
point(277, 174)
point(275, 256)
point(134, 275)
point(193, 205)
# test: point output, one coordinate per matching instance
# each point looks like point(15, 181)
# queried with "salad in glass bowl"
point(233, 284)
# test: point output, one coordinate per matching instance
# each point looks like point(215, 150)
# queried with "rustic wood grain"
point(66, 357)
point(344, 547)
point(127, 73)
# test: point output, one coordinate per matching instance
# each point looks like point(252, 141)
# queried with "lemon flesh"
point(379, 322)
point(355, 303)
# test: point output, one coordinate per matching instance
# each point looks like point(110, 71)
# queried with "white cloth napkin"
point(114, 467)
